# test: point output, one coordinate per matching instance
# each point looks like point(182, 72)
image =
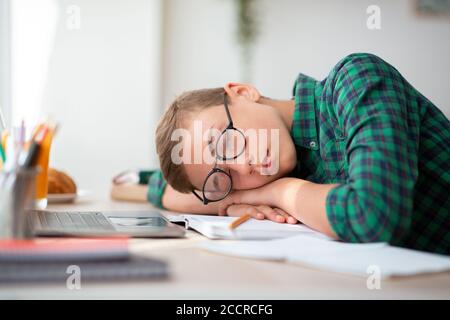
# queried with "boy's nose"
point(243, 165)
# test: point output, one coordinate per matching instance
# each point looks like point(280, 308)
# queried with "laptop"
point(137, 224)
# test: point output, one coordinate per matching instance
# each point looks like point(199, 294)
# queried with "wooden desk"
point(197, 274)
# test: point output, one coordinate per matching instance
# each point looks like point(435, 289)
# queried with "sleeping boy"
point(360, 156)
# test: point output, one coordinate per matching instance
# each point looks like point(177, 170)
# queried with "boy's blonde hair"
point(180, 109)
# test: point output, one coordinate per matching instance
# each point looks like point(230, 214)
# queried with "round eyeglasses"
point(230, 144)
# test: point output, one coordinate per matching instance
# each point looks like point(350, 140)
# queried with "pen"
point(5, 137)
point(239, 221)
point(2, 119)
point(29, 158)
point(2, 154)
point(22, 134)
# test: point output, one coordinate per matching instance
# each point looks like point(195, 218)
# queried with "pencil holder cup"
point(17, 194)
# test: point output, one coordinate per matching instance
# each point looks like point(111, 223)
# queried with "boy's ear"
point(234, 90)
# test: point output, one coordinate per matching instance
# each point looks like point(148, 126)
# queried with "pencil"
point(239, 221)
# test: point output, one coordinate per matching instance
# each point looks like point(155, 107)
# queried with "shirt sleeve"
point(373, 107)
point(156, 186)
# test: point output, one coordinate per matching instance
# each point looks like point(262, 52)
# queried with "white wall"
point(5, 90)
point(103, 86)
point(33, 28)
point(199, 47)
point(303, 36)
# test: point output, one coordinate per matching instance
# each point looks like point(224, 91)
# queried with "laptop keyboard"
point(71, 220)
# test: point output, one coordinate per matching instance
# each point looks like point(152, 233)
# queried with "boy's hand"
point(260, 212)
point(262, 196)
point(259, 203)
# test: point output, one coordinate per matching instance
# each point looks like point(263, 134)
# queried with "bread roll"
point(59, 182)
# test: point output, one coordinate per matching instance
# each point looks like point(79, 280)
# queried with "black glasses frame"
point(215, 169)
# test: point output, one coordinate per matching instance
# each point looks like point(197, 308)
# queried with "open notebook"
point(216, 227)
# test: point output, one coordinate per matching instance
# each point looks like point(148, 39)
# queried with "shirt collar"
point(304, 130)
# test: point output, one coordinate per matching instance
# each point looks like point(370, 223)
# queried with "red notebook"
point(64, 250)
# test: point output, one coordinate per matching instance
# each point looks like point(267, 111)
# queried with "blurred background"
point(105, 69)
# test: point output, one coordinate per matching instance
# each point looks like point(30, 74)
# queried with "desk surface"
point(198, 274)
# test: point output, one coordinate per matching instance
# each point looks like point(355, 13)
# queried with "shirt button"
point(312, 144)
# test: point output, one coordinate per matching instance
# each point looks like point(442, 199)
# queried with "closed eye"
point(211, 147)
point(216, 183)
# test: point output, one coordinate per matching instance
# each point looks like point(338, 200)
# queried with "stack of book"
point(67, 260)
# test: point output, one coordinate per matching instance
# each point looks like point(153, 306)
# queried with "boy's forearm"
point(304, 200)
point(185, 202)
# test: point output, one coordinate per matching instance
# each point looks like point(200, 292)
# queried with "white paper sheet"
point(357, 259)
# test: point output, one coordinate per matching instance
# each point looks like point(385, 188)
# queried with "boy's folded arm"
point(182, 202)
point(301, 199)
point(185, 202)
point(162, 195)
point(376, 203)
point(128, 192)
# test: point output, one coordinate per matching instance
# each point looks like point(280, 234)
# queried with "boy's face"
point(269, 156)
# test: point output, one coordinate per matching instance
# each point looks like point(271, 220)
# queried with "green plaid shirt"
point(388, 147)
